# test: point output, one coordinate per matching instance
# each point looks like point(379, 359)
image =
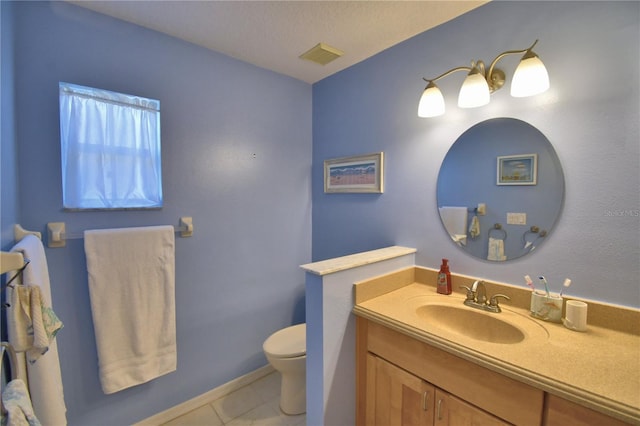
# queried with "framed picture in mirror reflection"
point(517, 169)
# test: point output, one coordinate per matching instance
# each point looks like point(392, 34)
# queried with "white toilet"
point(286, 351)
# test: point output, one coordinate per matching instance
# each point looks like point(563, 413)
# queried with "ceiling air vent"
point(322, 54)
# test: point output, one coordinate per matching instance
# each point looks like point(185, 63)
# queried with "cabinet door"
point(452, 411)
point(560, 412)
point(397, 397)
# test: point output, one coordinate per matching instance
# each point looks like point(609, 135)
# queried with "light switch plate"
point(516, 218)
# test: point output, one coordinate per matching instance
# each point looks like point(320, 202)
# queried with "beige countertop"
point(599, 368)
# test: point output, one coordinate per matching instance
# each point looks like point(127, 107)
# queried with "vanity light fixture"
point(530, 78)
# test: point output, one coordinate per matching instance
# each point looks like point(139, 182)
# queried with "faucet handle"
point(493, 301)
point(469, 292)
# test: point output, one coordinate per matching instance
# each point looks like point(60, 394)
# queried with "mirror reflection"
point(500, 189)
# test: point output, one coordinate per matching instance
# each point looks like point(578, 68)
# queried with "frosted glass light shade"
point(530, 78)
point(474, 91)
point(431, 102)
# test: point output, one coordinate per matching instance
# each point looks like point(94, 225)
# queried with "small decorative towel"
point(474, 228)
point(44, 377)
point(16, 401)
point(132, 292)
point(34, 325)
point(496, 250)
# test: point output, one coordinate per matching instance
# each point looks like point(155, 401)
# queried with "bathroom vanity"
point(426, 358)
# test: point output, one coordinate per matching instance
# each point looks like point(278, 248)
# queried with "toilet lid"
point(287, 343)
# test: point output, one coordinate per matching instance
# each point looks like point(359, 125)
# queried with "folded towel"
point(45, 378)
point(474, 228)
point(132, 292)
point(16, 401)
point(455, 222)
point(496, 250)
point(33, 324)
point(459, 239)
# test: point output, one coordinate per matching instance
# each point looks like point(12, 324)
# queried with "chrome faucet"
point(477, 298)
point(480, 292)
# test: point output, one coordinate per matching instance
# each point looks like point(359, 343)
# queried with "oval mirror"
point(500, 189)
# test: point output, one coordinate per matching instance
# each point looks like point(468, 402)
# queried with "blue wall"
point(236, 149)
point(238, 277)
point(590, 115)
point(8, 157)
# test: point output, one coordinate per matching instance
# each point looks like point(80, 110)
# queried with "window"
point(110, 145)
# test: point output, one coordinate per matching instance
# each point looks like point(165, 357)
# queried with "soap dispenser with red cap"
point(444, 278)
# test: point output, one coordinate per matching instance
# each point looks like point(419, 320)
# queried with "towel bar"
point(480, 209)
point(57, 234)
point(19, 233)
point(10, 261)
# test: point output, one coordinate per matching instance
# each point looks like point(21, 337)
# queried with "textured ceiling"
point(273, 34)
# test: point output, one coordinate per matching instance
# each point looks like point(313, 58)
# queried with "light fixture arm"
point(497, 81)
point(451, 71)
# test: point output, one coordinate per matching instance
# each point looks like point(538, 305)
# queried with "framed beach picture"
point(517, 170)
point(364, 173)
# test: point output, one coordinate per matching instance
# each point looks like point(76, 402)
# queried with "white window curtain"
point(110, 149)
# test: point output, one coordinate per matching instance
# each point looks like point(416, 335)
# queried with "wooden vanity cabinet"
point(452, 411)
point(397, 397)
point(402, 381)
point(560, 412)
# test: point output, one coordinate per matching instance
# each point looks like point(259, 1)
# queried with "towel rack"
point(498, 228)
point(14, 261)
point(19, 233)
point(57, 235)
point(13, 365)
point(10, 262)
point(533, 230)
point(20, 268)
point(480, 209)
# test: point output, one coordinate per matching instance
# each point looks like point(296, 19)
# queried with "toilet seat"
point(289, 342)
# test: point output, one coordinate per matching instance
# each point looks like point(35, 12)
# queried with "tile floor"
point(257, 404)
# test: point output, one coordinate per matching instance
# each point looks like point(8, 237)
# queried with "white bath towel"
point(455, 222)
point(496, 250)
point(44, 377)
point(132, 291)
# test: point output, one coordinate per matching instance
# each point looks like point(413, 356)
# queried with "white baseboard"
point(212, 395)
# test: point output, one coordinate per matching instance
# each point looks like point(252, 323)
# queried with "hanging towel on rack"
point(474, 228)
point(44, 377)
point(455, 222)
point(15, 398)
point(496, 249)
point(132, 292)
point(33, 324)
